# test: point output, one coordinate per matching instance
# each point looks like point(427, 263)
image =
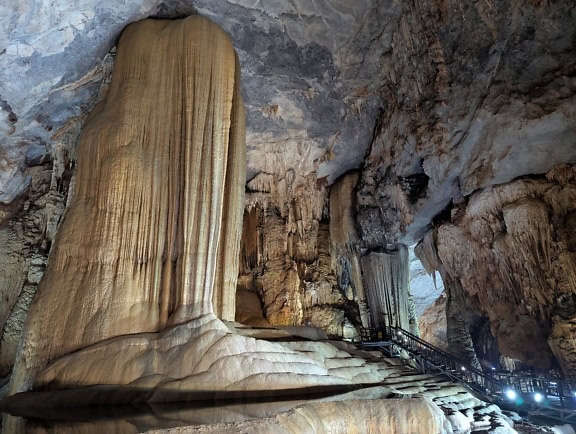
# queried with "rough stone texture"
point(510, 250)
point(309, 72)
point(152, 235)
point(224, 359)
point(345, 243)
point(476, 94)
point(286, 262)
point(432, 323)
point(26, 239)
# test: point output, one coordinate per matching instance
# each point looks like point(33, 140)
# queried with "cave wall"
point(475, 94)
point(509, 249)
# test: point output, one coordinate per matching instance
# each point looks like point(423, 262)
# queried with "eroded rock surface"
point(476, 95)
point(510, 250)
point(157, 207)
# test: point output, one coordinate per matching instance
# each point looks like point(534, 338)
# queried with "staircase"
point(534, 397)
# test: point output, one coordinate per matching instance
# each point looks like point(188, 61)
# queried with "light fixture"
point(538, 397)
point(463, 368)
point(511, 394)
point(493, 368)
point(399, 333)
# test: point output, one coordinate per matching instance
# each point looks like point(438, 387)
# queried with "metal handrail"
point(538, 392)
point(432, 358)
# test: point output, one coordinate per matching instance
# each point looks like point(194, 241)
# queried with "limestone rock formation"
point(345, 243)
point(287, 257)
point(398, 416)
point(152, 234)
point(224, 359)
point(298, 60)
point(387, 286)
point(432, 324)
point(439, 107)
point(26, 236)
point(476, 95)
point(510, 250)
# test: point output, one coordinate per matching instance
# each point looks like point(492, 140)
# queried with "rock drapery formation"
point(152, 235)
point(288, 257)
point(456, 100)
point(510, 251)
point(387, 284)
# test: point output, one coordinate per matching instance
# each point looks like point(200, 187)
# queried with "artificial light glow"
point(538, 397)
point(463, 368)
point(511, 395)
point(493, 368)
point(399, 333)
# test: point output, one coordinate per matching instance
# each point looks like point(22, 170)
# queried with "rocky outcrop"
point(286, 261)
point(157, 205)
point(510, 250)
point(476, 95)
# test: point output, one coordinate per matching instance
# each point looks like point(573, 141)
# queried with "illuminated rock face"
point(152, 235)
point(510, 251)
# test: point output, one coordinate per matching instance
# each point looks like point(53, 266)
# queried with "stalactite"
point(345, 242)
point(510, 249)
point(425, 250)
point(386, 275)
point(152, 234)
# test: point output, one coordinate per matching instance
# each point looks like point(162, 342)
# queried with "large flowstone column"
point(151, 238)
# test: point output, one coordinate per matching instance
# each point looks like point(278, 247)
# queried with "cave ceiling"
point(463, 96)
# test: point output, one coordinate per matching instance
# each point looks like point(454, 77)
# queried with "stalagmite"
point(151, 238)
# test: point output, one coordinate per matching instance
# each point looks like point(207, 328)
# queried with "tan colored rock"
point(432, 323)
point(157, 205)
point(373, 416)
point(345, 242)
point(386, 275)
point(510, 248)
point(249, 308)
point(287, 258)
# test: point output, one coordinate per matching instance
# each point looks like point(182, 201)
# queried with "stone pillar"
point(387, 280)
point(151, 237)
